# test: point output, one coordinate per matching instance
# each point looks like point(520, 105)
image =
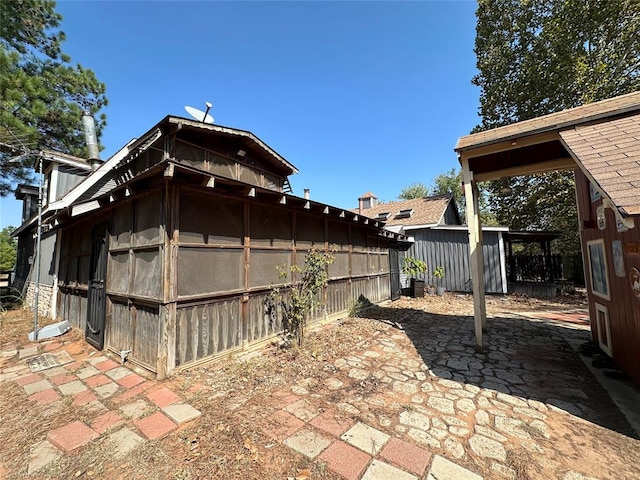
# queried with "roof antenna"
point(199, 115)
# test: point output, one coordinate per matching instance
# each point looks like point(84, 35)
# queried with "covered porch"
point(529, 147)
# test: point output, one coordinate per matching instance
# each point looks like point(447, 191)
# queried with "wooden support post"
point(475, 252)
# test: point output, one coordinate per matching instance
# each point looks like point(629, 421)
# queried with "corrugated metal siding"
point(67, 180)
point(47, 258)
point(450, 248)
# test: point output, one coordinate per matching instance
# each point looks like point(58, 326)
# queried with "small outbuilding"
point(168, 251)
point(439, 239)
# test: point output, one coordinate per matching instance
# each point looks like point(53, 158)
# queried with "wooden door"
point(96, 309)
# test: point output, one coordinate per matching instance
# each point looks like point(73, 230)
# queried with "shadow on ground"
point(527, 358)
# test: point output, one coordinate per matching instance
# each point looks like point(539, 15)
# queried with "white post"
point(475, 252)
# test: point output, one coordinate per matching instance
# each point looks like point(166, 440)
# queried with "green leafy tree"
point(415, 190)
point(42, 94)
point(8, 249)
point(451, 183)
point(539, 57)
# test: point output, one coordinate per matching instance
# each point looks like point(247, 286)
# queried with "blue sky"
point(360, 96)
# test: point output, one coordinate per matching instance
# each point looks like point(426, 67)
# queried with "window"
point(604, 329)
point(405, 213)
point(598, 269)
point(383, 217)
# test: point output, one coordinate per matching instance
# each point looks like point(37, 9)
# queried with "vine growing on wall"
point(302, 294)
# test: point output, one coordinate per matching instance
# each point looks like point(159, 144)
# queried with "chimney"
point(306, 194)
point(368, 200)
point(92, 140)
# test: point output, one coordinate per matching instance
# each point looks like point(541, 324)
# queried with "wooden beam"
point(510, 144)
point(566, 163)
point(169, 171)
point(283, 200)
point(252, 192)
point(209, 182)
point(475, 252)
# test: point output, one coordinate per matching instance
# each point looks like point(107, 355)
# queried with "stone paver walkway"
point(454, 410)
point(414, 401)
point(122, 404)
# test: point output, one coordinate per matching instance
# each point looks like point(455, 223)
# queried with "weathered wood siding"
point(189, 270)
point(74, 269)
point(225, 265)
point(450, 249)
point(222, 160)
point(623, 306)
point(205, 330)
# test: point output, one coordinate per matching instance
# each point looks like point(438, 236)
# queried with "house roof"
point(554, 121)
point(247, 138)
point(423, 211)
point(368, 195)
point(602, 139)
point(49, 156)
point(610, 153)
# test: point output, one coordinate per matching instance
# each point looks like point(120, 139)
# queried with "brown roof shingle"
point(426, 211)
point(554, 121)
point(610, 152)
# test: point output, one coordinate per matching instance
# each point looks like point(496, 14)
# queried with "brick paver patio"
point(88, 381)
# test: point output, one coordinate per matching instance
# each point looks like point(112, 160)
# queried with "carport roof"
point(601, 138)
point(554, 121)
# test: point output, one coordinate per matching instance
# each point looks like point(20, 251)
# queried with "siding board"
point(450, 249)
point(624, 306)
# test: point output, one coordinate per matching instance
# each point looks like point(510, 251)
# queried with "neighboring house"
point(600, 142)
point(169, 249)
point(440, 239)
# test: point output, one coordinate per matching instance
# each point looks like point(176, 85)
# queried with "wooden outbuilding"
point(167, 252)
point(600, 142)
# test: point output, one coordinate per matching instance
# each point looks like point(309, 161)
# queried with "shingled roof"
point(610, 153)
point(417, 211)
point(591, 112)
point(600, 138)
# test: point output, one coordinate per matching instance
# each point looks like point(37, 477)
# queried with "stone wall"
point(45, 299)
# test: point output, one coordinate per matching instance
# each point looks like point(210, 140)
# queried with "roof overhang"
point(485, 228)
point(48, 156)
point(535, 146)
point(246, 138)
point(207, 182)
